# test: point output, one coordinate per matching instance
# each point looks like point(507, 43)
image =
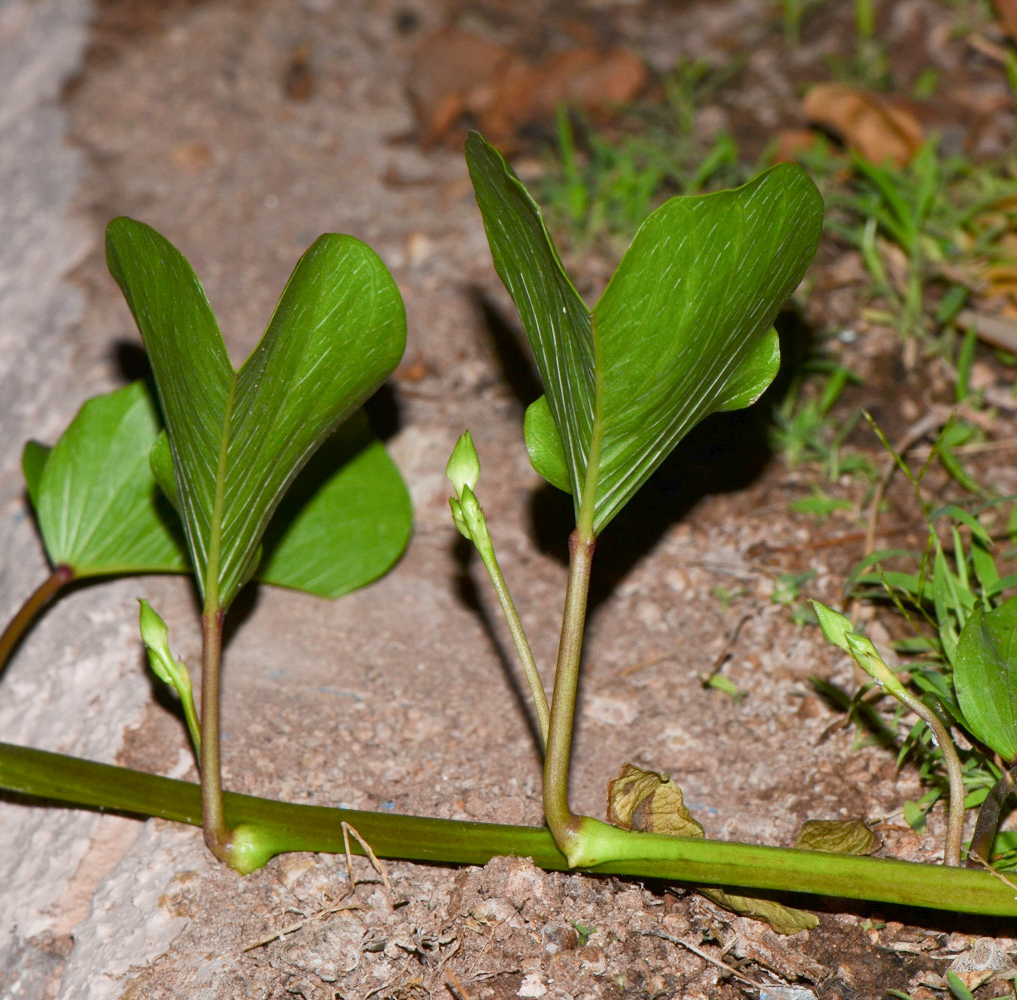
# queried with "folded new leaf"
point(683, 329)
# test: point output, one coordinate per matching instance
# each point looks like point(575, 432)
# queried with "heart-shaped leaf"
point(683, 329)
point(94, 494)
point(239, 438)
point(985, 677)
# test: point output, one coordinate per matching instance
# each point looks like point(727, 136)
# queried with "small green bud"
point(155, 636)
point(463, 467)
point(457, 518)
point(867, 657)
point(834, 625)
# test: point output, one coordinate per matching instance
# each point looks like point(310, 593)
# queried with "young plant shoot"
point(839, 630)
point(237, 439)
point(683, 330)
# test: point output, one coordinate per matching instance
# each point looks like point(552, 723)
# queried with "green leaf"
point(354, 526)
point(33, 461)
point(985, 677)
point(344, 522)
point(543, 442)
point(160, 458)
point(238, 439)
point(820, 505)
point(756, 373)
point(95, 499)
point(958, 988)
point(683, 329)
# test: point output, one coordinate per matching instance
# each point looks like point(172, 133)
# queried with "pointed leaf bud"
point(463, 467)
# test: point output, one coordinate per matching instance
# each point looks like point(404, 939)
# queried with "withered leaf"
point(878, 126)
point(783, 919)
point(650, 802)
point(836, 836)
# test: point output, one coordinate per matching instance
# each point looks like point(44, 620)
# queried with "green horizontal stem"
point(413, 838)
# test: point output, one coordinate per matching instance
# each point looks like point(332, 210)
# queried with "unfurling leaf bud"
point(155, 636)
point(463, 467)
point(835, 626)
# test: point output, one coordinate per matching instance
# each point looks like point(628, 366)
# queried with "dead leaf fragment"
point(459, 79)
point(879, 127)
point(650, 802)
point(836, 836)
point(452, 73)
point(783, 919)
point(298, 80)
point(191, 157)
point(590, 78)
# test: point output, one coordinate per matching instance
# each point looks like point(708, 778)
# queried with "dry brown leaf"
point(452, 72)
point(836, 836)
point(191, 157)
point(783, 919)
point(458, 78)
point(590, 78)
point(650, 802)
point(793, 141)
point(877, 126)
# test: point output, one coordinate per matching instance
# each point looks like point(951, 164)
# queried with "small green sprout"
point(463, 471)
point(839, 630)
point(171, 671)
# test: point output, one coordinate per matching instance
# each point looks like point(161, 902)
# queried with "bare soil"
point(241, 131)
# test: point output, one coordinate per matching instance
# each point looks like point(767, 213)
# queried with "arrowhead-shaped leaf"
point(682, 330)
point(239, 438)
point(985, 677)
point(95, 498)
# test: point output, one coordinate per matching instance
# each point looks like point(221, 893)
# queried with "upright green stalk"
point(839, 630)
point(522, 644)
point(566, 827)
point(563, 822)
point(213, 813)
point(463, 470)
